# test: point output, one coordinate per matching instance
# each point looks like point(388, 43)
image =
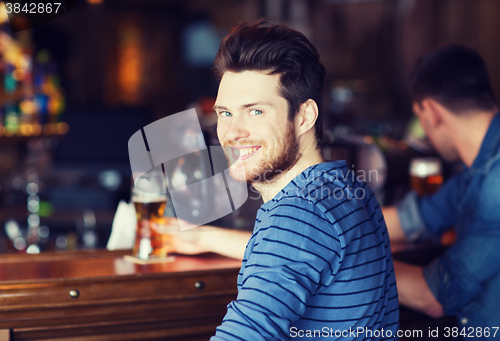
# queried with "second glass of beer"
point(149, 198)
point(425, 175)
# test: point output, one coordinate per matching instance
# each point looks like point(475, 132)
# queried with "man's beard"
point(267, 170)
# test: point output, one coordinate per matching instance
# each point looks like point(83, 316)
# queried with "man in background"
point(454, 101)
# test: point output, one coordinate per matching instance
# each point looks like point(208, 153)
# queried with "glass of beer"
point(150, 198)
point(425, 175)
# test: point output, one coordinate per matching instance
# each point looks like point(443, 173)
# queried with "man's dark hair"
point(456, 77)
point(279, 50)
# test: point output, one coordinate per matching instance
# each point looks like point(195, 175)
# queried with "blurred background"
point(73, 91)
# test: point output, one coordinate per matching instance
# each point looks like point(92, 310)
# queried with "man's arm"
point(391, 217)
point(229, 243)
point(419, 218)
point(413, 290)
point(280, 273)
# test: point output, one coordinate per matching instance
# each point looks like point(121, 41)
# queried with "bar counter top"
point(71, 265)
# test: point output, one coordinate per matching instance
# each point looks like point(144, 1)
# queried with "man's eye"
point(255, 112)
point(225, 114)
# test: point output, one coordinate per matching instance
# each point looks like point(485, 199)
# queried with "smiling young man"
point(318, 263)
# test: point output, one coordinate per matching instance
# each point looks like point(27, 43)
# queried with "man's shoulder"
point(291, 204)
point(321, 182)
point(295, 220)
point(489, 193)
point(324, 201)
point(491, 182)
point(493, 165)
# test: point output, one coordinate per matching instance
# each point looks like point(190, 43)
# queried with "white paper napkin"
point(123, 228)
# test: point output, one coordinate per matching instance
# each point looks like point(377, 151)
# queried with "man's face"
point(442, 144)
point(253, 122)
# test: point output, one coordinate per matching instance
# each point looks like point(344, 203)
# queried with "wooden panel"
point(123, 330)
point(117, 300)
point(116, 311)
point(122, 290)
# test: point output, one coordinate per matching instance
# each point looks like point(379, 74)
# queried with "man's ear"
point(306, 117)
point(433, 112)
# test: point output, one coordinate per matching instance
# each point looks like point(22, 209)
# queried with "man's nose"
point(237, 129)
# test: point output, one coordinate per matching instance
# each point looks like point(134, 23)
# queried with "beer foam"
point(424, 167)
point(147, 198)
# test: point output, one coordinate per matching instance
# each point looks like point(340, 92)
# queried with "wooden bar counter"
point(97, 295)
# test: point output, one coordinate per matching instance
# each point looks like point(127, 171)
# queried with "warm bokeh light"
point(3, 13)
point(18, 75)
point(130, 63)
point(49, 89)
point(37, 129)
point(62, 128)
point(55, 105)
point(28, 107)
point(368, 139)
point(24, 130)
point(29, 129)
point(49, 129)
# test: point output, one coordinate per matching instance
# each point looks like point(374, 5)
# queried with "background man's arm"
point(413, 289)
point(412, 219)
point(393, 223)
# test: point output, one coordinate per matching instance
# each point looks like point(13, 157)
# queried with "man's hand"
point(229, 243)
point(182, 242)
point(413, 290)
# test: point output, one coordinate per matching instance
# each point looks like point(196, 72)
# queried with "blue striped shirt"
point(318, 265)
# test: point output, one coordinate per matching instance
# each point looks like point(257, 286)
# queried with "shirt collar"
point(490, 144)
point(333, 169)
